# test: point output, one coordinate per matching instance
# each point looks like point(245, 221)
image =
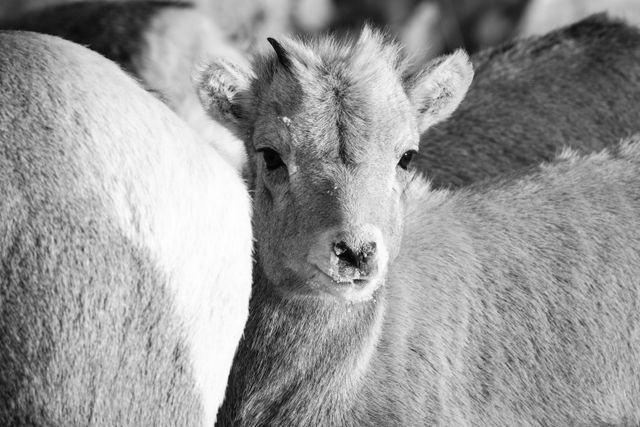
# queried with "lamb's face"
point(330, 169)
point(330, 133)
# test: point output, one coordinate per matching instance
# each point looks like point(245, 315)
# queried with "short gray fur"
point(578, 86)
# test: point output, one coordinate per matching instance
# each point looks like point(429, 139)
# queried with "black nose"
point(354, 258)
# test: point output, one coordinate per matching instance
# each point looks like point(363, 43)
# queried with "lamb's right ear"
point(221, 86)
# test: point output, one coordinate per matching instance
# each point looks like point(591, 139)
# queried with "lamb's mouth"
point(358, 288)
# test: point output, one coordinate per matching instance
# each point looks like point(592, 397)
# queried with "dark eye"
point(406, 159)
point(271, 158)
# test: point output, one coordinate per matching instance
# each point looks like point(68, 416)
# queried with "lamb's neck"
point(298, 351)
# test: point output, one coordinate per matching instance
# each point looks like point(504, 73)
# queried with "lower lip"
point(357, 282)
point(344, 288)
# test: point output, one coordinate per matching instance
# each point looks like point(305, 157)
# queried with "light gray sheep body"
point(125, 248)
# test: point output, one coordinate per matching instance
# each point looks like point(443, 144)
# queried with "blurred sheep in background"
point(470, 24)
point(427, 27)
point(243, 21)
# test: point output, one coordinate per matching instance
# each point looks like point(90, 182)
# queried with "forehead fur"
point(349, 90)
point(351, 60)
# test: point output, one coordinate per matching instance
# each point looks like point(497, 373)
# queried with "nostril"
point(340, 248)
point(369, 249)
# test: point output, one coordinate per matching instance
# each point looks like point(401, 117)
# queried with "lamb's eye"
point(406, 159)
point(271, 158)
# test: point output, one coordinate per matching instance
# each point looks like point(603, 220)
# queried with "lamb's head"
point(330, 129)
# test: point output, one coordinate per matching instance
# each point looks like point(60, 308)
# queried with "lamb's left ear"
point(437, 91)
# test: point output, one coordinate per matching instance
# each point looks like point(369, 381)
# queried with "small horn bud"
point(283, 56)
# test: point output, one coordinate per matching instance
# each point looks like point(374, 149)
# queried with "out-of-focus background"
point(427, 27)
point(163, 44)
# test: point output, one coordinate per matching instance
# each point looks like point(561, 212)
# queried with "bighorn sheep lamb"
point(377, 301)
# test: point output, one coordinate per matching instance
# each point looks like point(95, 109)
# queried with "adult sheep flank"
point(377, 301)
point(577, 87)
point(125, 248)
point(159, 42)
